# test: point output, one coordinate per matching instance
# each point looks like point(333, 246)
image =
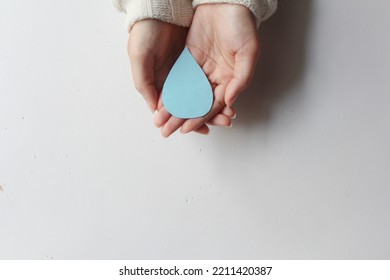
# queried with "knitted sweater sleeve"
point(261, 9)
point(179, 12)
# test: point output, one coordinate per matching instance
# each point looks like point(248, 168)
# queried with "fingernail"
point(235, 116)
point(229, 126)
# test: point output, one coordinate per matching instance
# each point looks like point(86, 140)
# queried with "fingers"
point(169, 124)
point(224, 118)
point(174, 124)
point(161, 117)
point(229, 111)
point(220, 120)
point(204, 129)
point(142, 66)
point(193, 124)
point(245, 63)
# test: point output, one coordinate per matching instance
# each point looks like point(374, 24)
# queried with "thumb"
point(245, 63)
point(142, 68)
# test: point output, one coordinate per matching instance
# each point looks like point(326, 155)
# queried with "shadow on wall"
point(282, 62)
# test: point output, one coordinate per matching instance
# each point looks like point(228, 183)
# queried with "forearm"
point(179, 12)
point(261, 9)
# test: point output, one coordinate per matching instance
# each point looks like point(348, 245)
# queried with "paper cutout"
point(187, 92)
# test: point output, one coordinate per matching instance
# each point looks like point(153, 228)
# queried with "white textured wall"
point(304, 172)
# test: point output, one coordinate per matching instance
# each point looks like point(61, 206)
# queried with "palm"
point(212, 55)
point(223, 40)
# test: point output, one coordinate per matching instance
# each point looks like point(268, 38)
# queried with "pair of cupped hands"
point(222, 39)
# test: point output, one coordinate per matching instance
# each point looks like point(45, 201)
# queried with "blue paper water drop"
point(187, 92)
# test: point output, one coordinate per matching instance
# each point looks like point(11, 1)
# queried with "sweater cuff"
point(179, 12)
point(261, 9)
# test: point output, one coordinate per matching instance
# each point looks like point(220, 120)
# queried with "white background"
point(303, 173)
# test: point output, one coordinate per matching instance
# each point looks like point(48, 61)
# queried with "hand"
point(224, 41)
point(153, 48)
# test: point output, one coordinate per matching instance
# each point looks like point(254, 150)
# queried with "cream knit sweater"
point(180, 12)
